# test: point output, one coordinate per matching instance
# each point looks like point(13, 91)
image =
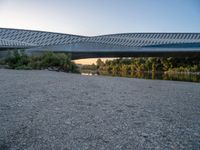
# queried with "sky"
point(97, 17)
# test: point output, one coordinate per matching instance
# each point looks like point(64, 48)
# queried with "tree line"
point(151, 64)
point(18, 59)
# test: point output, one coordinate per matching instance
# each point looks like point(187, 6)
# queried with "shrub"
point(49, 60)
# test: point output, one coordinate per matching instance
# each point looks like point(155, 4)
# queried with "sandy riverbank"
point(55, 110)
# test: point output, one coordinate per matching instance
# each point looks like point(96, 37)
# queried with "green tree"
point(99, 63)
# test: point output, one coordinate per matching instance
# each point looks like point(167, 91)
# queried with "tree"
point(99, 63)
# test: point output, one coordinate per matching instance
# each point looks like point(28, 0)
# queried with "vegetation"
point(151, 64)
point(133, 67)
point(92, 67)
point(2, 62)
point(53, 61)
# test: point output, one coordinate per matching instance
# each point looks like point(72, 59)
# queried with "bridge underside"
point(83, 55)
point(114, 54)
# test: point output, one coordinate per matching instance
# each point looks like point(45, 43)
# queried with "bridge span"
point(112, 45)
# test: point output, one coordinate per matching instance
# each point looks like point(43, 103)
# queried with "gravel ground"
point(53, 110)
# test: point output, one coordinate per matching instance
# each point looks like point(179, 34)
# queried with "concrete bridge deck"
point(113, 45)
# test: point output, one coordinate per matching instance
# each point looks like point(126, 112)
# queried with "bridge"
point(113, 45)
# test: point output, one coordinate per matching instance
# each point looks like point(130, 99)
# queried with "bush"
point(2, 62)
point(49, 60)
point(16, 59)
